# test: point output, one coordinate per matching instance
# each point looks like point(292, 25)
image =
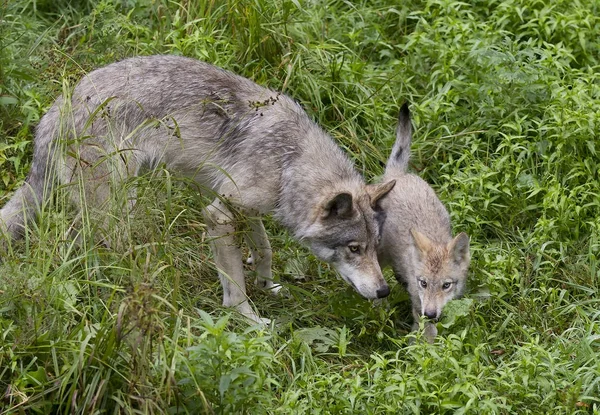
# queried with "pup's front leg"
point(429, 330)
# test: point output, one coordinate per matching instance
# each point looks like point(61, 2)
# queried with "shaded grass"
point(505, 97)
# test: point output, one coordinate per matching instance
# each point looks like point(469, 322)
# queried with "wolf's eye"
point(355, 249)
point(446, 285)
point(423, 283)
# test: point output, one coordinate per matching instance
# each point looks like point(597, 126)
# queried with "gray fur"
point(417, 237)
point(400, 154)
point(254, 147)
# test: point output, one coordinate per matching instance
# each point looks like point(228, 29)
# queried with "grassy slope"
point(506, 102)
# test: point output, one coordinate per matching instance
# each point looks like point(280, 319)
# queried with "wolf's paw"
point(265, 321)
point(275, 289)
point(253, 318)
point(249, 314)
point(269, 286)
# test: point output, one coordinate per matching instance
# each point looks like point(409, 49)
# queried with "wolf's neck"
point(308, 182)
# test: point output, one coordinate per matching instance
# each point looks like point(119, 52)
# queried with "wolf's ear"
point(338, 207)
point(378, 191)
point(421, 241)
point(459, 249)
point(401, 150)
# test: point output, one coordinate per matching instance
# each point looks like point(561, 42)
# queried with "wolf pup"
point(255, 148)
point(417, 239)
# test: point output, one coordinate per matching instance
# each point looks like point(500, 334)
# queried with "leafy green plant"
point(227, 372)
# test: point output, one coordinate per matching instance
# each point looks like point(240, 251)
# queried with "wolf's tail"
point(25, 204)
point(401, 150)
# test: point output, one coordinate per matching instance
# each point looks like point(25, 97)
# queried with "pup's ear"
point(401, 149)
point(459, 249)
point(421, 241)
point(378, 191)
point(338, 207)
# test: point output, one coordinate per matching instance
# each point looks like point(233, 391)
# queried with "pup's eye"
point(423, 283)
point(355, 249)
point(446, 285)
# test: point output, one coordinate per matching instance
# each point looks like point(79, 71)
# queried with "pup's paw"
point(430, 332)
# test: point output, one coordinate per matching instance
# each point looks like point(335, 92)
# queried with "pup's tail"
point(25, 204)
point(401, 151)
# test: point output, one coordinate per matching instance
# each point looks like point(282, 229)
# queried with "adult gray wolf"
point(255, 148)
point(417, 238)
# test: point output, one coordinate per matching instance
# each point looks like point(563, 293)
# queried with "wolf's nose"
point(431, 314)
point(383, 292)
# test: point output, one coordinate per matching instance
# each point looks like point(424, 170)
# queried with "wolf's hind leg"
point(228, 259)
point(261, 255)
point(97, 185)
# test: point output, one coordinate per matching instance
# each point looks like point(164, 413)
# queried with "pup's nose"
point(383, 292)
point(431, 314)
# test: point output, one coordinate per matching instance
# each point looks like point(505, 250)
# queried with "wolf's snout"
point(383, 291)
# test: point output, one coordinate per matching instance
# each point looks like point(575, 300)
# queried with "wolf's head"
point(439, 272)
point(346, 233)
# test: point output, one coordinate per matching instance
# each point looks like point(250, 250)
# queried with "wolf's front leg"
point(262, 255)
point(228, 259)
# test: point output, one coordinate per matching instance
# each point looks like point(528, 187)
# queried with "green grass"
point(506, 103)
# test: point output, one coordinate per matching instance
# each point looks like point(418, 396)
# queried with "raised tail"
point(401, 150)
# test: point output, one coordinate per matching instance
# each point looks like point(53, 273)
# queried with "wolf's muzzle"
point(383, 292)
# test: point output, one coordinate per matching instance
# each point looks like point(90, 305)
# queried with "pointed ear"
point(459, 249)
point(338, 207)
point(421, 241)
point(401, 150)
point(378, 191)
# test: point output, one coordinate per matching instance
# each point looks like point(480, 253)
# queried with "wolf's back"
point(152, 107)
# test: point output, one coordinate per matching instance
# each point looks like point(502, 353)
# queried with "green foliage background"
point(506, 103)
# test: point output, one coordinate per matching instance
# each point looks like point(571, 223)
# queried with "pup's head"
point(440, 273)
point(346, 232)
